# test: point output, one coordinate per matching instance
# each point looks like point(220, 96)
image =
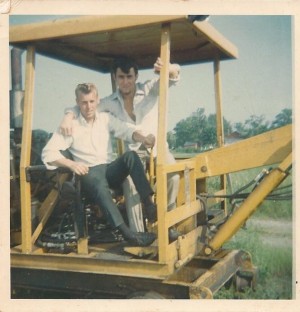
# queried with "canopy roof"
point(94, 41)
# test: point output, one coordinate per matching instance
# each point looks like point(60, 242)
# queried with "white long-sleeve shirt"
point(89, 144)
point(145, 108)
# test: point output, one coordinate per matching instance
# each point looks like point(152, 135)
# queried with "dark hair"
point(125, 63)
point(85, 88)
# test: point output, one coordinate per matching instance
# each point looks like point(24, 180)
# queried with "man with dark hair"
point(125, 64)
point(91, 149)
point(136, 103)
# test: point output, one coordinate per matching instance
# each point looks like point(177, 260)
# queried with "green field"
point(272, 253)
point(268, 236)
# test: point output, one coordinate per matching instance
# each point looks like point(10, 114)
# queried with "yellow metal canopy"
point(94, 41)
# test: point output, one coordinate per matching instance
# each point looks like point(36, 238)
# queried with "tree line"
point(198, 131)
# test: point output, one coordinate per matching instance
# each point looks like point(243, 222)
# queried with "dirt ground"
point(273, 232)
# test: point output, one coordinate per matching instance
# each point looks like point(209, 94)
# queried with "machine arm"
point(239, 217)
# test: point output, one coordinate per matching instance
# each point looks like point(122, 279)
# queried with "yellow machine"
point(195, 265)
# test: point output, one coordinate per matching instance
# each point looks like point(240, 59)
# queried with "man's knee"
point(130, 155)
point(131, 158)
point(94, 187)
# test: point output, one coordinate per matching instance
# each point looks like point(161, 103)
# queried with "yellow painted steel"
point(85, 25)
point(82, 246)
point(188, 246)
point(163, 94)
point(161, 195)
point(265, 149)
point(268, 184)
point(167, 219)
point(106, 36)
point(219, 116)
point(120, 146)
point(183, 212)
point(161, 175)
point(91, 263)
point(180, 166)
point(216, 276)
point(218, 99)
point(26, 151)
point(141, 251)
point(190, 198)
point(151, 169)
point(216, 38)
point(180, 195)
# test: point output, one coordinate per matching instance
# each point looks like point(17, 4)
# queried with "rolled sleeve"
point(121, 129)
point(51, 151)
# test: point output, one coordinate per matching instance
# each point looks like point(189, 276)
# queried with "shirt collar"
point(138, 91)
point(83, 121)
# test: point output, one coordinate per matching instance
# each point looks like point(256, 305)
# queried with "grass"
point(274, 262)
point(268, 237)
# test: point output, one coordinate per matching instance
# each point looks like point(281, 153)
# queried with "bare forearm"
point(62, 162)
point(147, 141)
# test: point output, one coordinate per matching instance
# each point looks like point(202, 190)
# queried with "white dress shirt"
point(89, 144)
point(145, 108)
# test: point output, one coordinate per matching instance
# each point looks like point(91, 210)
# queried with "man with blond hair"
point(91, 149)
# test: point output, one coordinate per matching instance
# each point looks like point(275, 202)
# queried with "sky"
point(258, 83)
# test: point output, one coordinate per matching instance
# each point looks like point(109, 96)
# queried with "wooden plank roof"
point(94, 41)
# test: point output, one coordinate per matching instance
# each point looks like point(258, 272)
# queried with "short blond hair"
point(85, 88)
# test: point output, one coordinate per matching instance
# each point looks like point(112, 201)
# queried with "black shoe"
point(151, 212)
point(142, 239)
point(173, 234)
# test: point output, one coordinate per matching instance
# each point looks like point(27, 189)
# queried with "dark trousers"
point(100, 179)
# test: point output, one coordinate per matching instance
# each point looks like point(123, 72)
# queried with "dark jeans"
point(100, 179)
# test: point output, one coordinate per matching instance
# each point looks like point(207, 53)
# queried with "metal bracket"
point(187, 186)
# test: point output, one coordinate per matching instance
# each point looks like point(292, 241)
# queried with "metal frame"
point(168, 253)
point(172, 258)
point(25, 152)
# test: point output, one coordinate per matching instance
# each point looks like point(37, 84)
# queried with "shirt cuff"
point(50, 167)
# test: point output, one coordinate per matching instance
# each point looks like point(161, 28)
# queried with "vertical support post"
point(161, 144)
point(26, 151)
point(218, 98)
point(16, 93)
point(163, 94)
point(219, 116)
